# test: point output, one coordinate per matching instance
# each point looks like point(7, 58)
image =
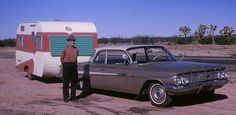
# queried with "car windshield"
point(150, 54)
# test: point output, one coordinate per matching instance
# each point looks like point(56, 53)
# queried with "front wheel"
point(158, 95)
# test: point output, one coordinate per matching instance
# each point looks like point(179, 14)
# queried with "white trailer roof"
point(56, 26)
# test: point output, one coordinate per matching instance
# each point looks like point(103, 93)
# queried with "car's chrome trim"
point(98, 73)
point(195, 88)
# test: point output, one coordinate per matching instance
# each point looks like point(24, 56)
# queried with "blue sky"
point(126, 18)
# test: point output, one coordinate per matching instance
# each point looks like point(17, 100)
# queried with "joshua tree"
point(185, 30)
point(227, 31)
point(201, 31)
point(211, 33)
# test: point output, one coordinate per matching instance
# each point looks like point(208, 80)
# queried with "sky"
point(124, 18)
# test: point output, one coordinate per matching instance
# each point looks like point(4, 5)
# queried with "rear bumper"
point(195, 88)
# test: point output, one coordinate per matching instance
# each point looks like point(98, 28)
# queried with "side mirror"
point(125, 57)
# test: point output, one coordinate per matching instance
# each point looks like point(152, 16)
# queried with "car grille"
point(202, 76)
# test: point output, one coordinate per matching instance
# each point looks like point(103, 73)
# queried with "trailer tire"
point(29, 75)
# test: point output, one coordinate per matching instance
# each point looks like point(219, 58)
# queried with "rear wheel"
point(158, 95)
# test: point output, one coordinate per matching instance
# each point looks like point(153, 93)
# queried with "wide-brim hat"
point(71, 38)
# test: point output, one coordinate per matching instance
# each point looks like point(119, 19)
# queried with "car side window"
point(158, 54)
point(111, 57)
point(116, 57)
point(138, 54)
point(100, 58)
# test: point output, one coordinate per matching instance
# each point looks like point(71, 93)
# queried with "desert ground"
point(19, 95)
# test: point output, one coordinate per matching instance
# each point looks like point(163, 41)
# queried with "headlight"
point(181, 80)
point(222, 75)
point(226, 75)
point(178, 82)
point(185, 81)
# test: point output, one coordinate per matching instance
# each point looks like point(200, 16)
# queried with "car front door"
point(110, 71)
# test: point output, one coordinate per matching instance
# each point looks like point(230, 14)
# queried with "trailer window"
point(39, 42)
point(33, 37)
point(20, 41)
point(83, 43)
point(22, 28)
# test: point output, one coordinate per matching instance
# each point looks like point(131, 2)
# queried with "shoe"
point(74, 99)
point(66, 100)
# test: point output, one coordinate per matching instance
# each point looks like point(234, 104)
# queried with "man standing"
point(69, 66)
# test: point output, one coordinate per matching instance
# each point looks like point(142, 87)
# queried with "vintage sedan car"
point(149, 70)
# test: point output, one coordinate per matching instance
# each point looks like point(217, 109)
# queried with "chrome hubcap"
point(158, 94)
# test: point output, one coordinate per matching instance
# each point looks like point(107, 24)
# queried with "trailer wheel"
point(29, 75)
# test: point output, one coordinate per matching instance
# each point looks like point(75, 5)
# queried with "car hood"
point(180, 67)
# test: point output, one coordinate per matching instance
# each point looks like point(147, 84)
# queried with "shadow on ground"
point(48, 80)
point(113, 94)
point(183, 100)
point(186, 100)
point(116, 94)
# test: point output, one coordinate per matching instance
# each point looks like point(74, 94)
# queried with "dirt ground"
point(18, 95)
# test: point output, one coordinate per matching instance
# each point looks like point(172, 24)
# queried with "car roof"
point(123, 47)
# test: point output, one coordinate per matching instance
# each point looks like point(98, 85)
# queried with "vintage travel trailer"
point(39, 45)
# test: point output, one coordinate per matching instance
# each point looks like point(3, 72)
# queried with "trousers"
point(70, 76)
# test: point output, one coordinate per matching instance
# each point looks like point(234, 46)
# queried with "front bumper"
point(196, 87)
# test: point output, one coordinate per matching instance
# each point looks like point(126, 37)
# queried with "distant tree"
point(2, 44)
point(143, 39)
point(11, 42)
point(227, 31)
point(200, 33)
point(212, 31)
point(118, 39)
point(185, 30)
point(103, 40)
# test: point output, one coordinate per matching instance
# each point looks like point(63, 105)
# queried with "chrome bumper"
point(196, 87)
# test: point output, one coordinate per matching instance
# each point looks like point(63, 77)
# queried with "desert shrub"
point(143, 40)
point(116, 40)
point(205, 40)
point(181, 40)
point(113, 40)
point(11, 42)
point(224, 41)
point(2, 43)
point(171, 39)
point(102, 40)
